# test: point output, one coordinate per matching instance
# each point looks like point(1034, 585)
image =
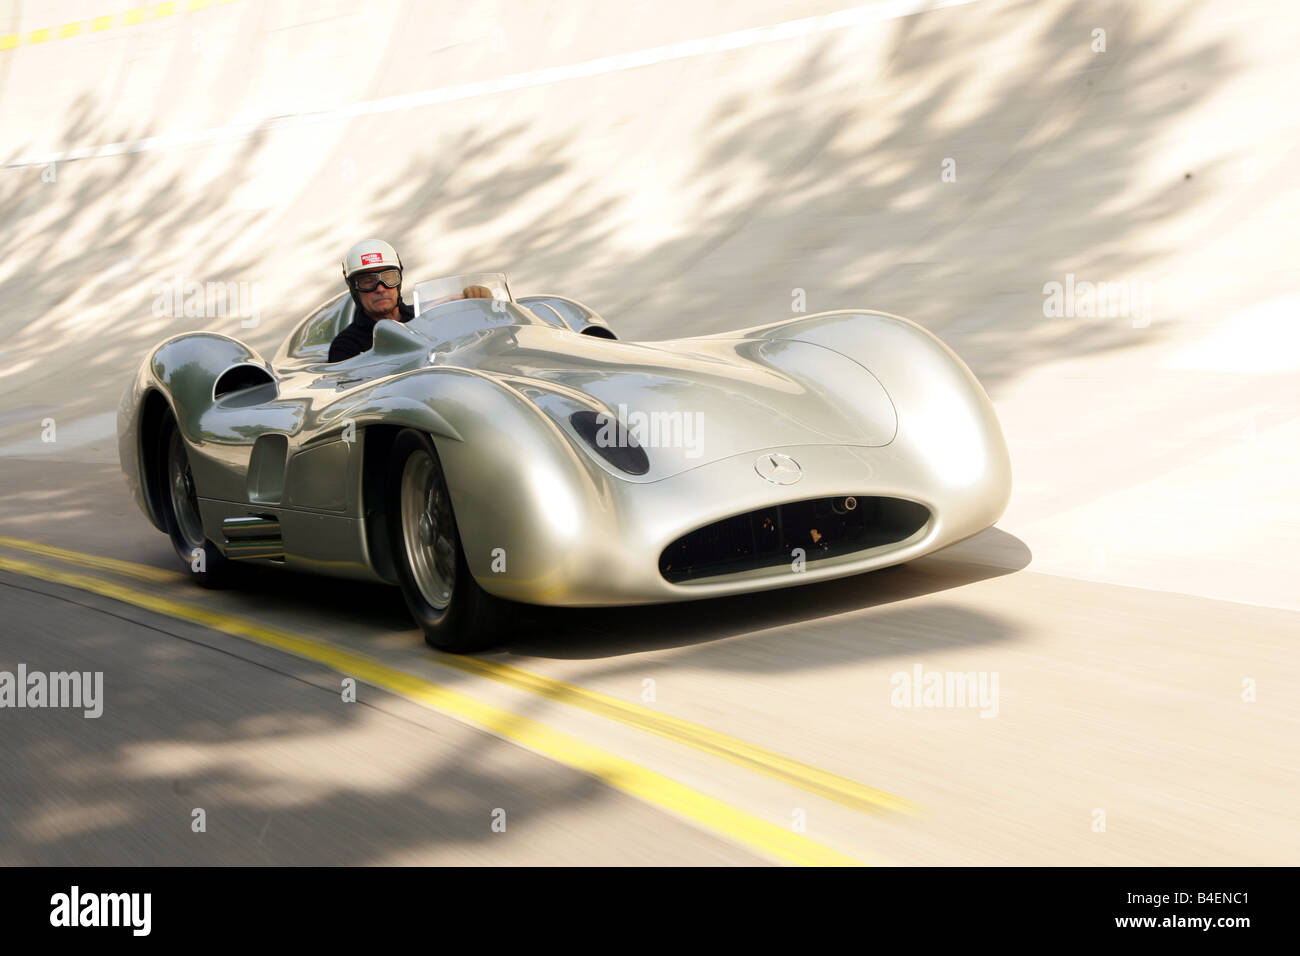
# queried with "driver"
point(373, 272)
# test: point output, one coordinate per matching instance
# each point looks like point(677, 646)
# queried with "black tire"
point(180, 509)
point(455, 614)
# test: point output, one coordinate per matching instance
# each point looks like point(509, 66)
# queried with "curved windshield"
point(433, 292)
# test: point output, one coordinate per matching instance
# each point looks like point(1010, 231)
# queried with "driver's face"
point(381, 301)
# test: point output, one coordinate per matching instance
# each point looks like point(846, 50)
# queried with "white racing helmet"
point(370, 254)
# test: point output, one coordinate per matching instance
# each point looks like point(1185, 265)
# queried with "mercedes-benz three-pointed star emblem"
point(778, 469)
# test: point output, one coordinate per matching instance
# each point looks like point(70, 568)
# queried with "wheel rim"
point(427, 529)
point(185, 500)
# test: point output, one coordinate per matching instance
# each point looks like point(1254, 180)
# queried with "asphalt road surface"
point(1133, 618)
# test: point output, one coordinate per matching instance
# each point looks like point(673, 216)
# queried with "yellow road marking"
point(98, 24)
point(806, 777)
point(842, 790)
point(141, 572)
point(618, 772)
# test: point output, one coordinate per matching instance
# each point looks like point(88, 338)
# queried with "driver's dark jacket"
point(360, 335)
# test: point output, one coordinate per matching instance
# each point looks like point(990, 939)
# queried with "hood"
point(693, 402)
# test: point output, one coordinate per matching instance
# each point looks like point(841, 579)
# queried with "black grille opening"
point(766, 538)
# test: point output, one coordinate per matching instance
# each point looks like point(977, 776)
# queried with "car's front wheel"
point(455, 614)
point(180, 509)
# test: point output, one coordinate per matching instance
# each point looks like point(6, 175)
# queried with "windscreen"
point(434, 292)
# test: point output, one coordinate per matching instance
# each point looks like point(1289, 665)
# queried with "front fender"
point(948, 430)
point(526, 500)
point(181, 373)
point(131, 426)
point(186, 369)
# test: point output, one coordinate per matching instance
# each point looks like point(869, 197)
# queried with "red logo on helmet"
point(372, 258)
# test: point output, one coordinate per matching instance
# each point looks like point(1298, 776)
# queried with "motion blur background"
point(689, 168)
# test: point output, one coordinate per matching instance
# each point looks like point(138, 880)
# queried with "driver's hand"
point(478, 292)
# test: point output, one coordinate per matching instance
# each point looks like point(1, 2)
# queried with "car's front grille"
point(768, 537)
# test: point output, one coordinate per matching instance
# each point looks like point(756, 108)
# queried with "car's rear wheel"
point(455, 614)
point(180, 508)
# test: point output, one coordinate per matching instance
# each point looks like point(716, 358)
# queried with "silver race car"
point(494, 451)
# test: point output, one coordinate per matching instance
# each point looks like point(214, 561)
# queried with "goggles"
point(369, 282)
